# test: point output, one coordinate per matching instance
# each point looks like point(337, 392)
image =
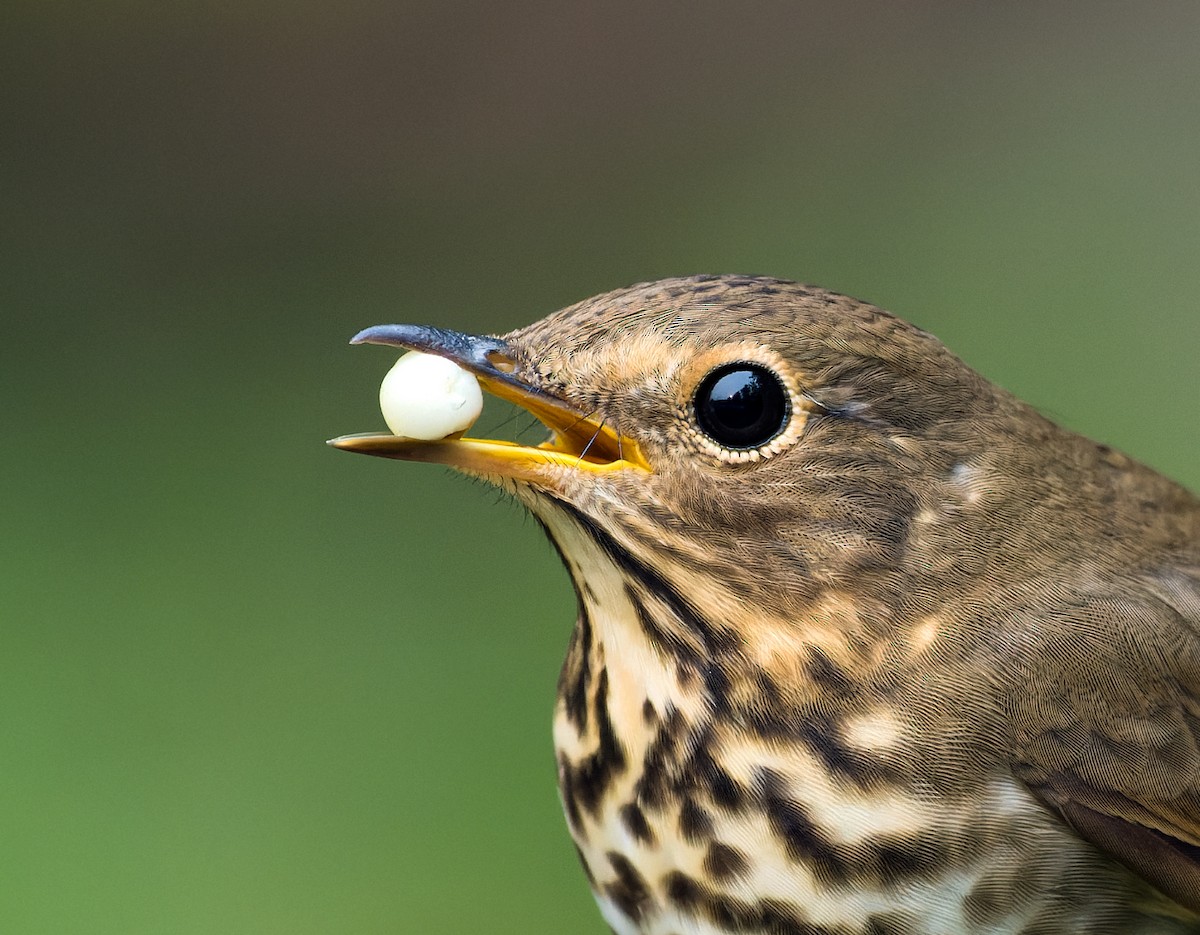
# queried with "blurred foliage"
point(252, 685)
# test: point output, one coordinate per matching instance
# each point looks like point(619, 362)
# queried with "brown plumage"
point(912, 660)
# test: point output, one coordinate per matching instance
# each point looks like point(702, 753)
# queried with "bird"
point(865, 644)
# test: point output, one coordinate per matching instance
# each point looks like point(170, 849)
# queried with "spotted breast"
point(694, 818)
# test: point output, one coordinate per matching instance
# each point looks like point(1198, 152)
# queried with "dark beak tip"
point(381, 334)
point(470, 350)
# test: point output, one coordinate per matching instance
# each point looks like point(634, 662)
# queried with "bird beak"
point(577, 443)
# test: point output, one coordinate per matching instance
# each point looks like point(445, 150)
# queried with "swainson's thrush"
point(865, 644)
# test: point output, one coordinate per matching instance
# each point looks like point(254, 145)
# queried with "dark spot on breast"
point(717, 682)
point(672, 728)
point(777, 916)
point(653, 785)
point(695, 824)
point(659, 632)
point(725, 791)
point(682, 890)
point(629, 892)
point(649, 715)
point(771, 916)
point(575, 679)
point(820, 731)
point(707, 774)
point(688, 675)
point(585, 784)
point(566, 787)
point(900, 859)
point(878, 861)
point(736, 915)
point(802, 840)
point(822, 734)
point(723, 862)
point(826, 674)
point(634, 820)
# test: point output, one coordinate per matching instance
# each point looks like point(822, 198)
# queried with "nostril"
point(501, 361)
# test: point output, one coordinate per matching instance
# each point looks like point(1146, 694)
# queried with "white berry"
point(428, 397)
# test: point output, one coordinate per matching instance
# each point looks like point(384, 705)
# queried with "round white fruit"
point(428, 397)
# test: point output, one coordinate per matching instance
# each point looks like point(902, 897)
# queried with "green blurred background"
point(252, 685)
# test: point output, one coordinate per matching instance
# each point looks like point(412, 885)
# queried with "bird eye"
point(741, 405)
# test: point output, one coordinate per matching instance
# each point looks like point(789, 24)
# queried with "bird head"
point(747, 443)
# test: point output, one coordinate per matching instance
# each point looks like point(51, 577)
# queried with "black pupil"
point(741, 405)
